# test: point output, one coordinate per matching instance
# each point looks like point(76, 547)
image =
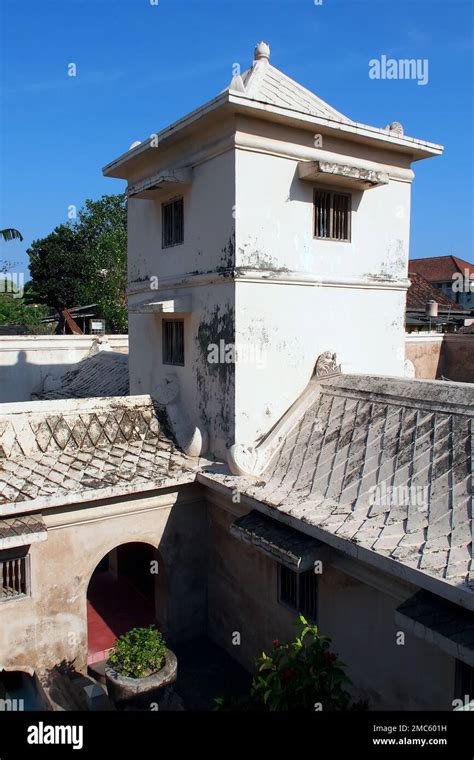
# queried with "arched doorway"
point(120, 596)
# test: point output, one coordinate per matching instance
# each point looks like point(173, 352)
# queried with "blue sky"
point(141, 66)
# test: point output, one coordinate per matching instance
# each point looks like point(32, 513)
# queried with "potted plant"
point(141, 671)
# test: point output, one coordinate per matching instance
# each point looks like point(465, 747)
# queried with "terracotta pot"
point(150, 693)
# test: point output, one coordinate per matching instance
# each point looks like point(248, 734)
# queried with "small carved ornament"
point(326, 364)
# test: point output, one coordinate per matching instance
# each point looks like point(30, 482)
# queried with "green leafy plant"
point(15, 311)
point(303, 675)
point(139, 653)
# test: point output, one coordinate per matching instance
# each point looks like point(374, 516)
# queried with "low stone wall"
point(27, 361)
point(450, 356)
point(459, 357)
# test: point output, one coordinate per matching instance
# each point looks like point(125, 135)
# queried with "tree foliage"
point(85, 261)
point(15, 311)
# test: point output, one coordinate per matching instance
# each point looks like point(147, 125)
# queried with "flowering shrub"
point(139, 653)
point(303, 675)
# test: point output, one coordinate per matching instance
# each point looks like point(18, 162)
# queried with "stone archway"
point(121, 595)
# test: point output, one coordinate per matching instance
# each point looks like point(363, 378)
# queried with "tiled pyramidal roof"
point(383, 463)
point(266, 84)
point(85, 448)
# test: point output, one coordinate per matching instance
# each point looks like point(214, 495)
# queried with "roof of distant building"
point(440, 268)
point(421, 291)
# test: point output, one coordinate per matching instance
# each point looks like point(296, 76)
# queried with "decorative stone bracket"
point(330, 172)
point(164, 181)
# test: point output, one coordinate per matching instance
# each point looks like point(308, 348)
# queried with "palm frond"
point(10, 233)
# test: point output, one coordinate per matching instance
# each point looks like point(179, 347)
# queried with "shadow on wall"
point(19, 380)
point(104, 373)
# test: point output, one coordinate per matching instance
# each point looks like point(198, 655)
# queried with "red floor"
point(113, 607)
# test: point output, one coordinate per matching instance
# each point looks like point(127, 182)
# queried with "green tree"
point(14, 311)
point(102, 227)
point(56, 266)
point(85, 261)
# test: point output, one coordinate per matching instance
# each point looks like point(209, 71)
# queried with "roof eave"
point(119, 167)
point(353, 130)
point(419, 149)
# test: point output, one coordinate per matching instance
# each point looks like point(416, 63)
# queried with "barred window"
point(332, 215)
point(299, 591)
point(173, 341)
point(15, 575)
point(172, 223)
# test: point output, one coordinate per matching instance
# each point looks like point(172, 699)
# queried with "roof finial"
point(261, 52)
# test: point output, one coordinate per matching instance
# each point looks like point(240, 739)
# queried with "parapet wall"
point(450, 356)
point(29, 362)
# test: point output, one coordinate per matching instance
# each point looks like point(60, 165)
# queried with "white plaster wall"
point(51, 625)
point(360, 621)
point(294, 297)
point(274, 226)
point(26, 361)
point(358, 618)
point(291, 326)
point(208, 225)
point(294, 323)
point(206, 391)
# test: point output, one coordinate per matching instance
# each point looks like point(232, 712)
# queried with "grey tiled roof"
point(383, 463)
point(104, 374)
point(16, 531)
point(290, 547)
point(267, 84)
point(439, 622)
point(58, 449)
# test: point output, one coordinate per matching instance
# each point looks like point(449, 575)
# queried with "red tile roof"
point(422, 291)
point(440, 268)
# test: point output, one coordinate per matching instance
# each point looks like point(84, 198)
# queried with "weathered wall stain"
point(216, 381)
